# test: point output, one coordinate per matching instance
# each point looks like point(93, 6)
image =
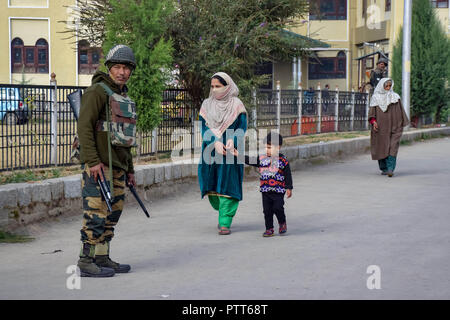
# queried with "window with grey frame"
point(328, 10)
point(329, 67)
point(439, 3)
point(88, 58)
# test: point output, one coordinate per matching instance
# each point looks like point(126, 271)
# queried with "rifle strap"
point(108, 120)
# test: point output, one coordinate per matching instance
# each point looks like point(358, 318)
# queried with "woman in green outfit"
point(224, 121)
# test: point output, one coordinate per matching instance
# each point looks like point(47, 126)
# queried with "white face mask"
point(218, 92)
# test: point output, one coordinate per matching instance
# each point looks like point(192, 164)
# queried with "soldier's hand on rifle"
point(96, 171)
point(131, 180)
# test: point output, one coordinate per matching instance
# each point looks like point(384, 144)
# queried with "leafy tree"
point(87, 21)
point(233, 36)
point(141, 24)
point(430, 62)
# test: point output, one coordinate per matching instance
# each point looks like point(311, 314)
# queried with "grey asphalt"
point(343, 217)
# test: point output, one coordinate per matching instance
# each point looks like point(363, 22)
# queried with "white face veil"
point(382, 97)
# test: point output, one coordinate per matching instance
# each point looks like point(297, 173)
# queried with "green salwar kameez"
point(222, 182)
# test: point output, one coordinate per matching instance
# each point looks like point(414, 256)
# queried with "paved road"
point(343, 218)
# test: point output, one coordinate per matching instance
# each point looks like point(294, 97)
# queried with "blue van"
point(13, 110)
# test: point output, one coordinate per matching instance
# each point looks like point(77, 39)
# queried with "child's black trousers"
point(273, 203)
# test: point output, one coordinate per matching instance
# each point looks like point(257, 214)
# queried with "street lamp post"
point(406, 57)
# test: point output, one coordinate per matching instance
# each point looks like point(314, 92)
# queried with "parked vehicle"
point(13, 109)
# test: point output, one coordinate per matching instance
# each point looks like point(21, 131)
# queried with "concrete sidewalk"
point(343, 218)
point(24, 204)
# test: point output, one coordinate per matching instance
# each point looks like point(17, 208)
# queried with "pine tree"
point(430, 62)
point(141, 24)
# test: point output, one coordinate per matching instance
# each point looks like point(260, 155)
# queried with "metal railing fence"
point(297, 112)
point(38, 126)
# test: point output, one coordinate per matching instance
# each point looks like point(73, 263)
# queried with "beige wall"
point(329, 30)
point(42, 21)
point(30, 30)
point(30, 78)
point(283, 73)
point(29, 3)
point(378, 27)
point(443, 16)
point(84, 80)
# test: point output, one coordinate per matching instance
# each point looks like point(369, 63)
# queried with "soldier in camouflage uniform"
point(379, 73)
point(98, 223)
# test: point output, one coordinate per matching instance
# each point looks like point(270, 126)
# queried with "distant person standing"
point(309, 100)
point(379, 73)
point(326, 99)
point(387, 117)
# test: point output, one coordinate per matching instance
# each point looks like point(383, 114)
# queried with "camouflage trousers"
point(98, 222)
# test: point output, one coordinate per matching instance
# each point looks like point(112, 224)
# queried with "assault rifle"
point(105, 191)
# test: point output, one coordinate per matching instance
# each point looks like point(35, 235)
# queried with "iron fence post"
point(155, 140)
point(319, 109)
point(300, 107)
point(54, 121)
point(138, 148)
point(336, 111)
point(278, 106)
point(254, 111)
point(352, 111)
point(366, 118)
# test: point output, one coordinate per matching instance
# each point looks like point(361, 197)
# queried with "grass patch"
point(318, 161)
point(30, 175)
point(6, 237)
point(405, 142)
point(426, 136)
point(324, 137)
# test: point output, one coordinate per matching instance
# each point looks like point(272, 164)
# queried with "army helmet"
point(382, 60)
point(120, 54)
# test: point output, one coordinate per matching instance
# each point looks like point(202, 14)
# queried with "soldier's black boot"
point(102, 259)
point(87, 265)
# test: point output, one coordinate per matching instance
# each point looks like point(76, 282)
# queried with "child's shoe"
point(269, 233)
point(283, 228)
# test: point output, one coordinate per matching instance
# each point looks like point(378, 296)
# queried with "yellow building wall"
point(378, 26)
point(443, 15)
point(29, 30)
point(283, 73)
point(331, 30)
point(64, 54)
point(42, 22)
point(28, 3)
point(84, 80)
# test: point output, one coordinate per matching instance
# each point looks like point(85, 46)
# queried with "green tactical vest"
point(122, 112)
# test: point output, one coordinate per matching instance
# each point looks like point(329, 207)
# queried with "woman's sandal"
point(224, 231)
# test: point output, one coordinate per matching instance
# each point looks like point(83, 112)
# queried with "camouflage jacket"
point(94, 143)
